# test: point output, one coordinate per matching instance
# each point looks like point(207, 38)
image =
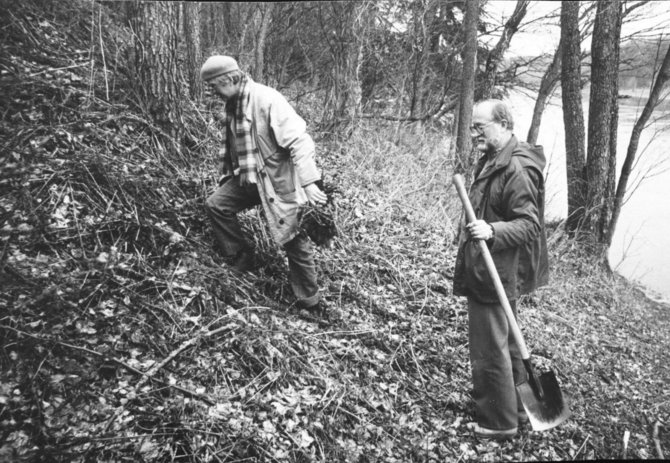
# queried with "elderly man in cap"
point(268, 159)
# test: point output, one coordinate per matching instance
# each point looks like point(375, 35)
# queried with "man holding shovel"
point(507, 196)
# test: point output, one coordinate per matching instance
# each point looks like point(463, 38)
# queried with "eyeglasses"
point(479, 128)
point(219, 82)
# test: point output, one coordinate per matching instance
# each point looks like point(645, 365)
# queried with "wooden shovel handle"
point(491, 267)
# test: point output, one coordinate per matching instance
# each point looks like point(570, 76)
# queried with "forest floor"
point(125, 337)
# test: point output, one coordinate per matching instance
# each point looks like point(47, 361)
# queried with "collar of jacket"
point(500, 161)
point(247, 104)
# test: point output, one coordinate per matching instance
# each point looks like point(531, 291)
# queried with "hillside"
point(125, 337)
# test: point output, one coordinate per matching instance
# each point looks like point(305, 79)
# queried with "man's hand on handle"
point(480, 230)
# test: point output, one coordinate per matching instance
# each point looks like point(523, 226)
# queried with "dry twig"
point(626, 437)
point(657, 441)
point(579, 450)
point(114, 360)
point(185, 345)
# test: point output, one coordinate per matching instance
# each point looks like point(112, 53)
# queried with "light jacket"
point(286, 159)
point(508, 193)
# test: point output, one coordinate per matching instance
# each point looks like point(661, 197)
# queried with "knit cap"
point(216, 66)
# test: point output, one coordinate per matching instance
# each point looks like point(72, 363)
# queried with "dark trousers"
point(496, 365)
point(224, 205)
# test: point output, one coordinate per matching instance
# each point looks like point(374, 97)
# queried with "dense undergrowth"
point(125, 337)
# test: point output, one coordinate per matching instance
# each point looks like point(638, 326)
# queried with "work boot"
point(315, 313)
point(495, 434)
point(245, 261)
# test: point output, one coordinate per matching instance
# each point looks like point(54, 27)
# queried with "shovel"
point(541, 396)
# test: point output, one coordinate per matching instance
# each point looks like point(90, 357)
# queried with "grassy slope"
point(107, 261)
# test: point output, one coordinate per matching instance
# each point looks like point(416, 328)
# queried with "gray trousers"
point(496, 365)
point(222, 208)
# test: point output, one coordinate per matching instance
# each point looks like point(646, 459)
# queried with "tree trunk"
point(193, 59)
point(610, 186)
point(602, 106)
point(469, 57)
point(486, 89)
point(344, 26)
point(207, 26)
point(548, 84)
point(154, 25)
point(213, 15)
point(426, 33)
point(654, 97)
point(248, 11)
point(573, 114)
point(550, 80)
point(259, 49)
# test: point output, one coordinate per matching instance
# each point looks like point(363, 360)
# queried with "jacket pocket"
point(288, 198)
point(282, 174)
point(479, 273)
point(479, 279)
point(278, 166)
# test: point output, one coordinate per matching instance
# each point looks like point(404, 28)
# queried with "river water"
point(640, 249)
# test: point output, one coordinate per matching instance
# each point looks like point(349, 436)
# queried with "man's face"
point(223, 87)
point(486, 133)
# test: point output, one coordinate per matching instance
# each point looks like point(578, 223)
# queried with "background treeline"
point(636, 72)
point(388, 58)
point(638, 61)
point(422, 62)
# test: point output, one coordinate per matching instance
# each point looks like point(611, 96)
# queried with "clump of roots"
point(319, 222)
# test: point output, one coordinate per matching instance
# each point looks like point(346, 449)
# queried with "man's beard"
point(489, 150)
point(231, 103)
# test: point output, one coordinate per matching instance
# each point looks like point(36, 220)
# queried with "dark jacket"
point(508, 193)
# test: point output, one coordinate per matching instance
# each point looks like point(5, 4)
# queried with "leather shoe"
point(318, 313)
point(496, 434)
point(317, 310)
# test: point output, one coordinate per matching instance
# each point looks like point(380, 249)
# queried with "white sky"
point(538, 35)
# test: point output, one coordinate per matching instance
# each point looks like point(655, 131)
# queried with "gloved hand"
point(315, 195)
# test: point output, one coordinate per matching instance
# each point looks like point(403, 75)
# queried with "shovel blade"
point(547, 411)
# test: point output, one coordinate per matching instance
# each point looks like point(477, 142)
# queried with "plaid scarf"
point(239, 158)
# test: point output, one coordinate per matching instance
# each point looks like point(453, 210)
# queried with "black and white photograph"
point(358, 231)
